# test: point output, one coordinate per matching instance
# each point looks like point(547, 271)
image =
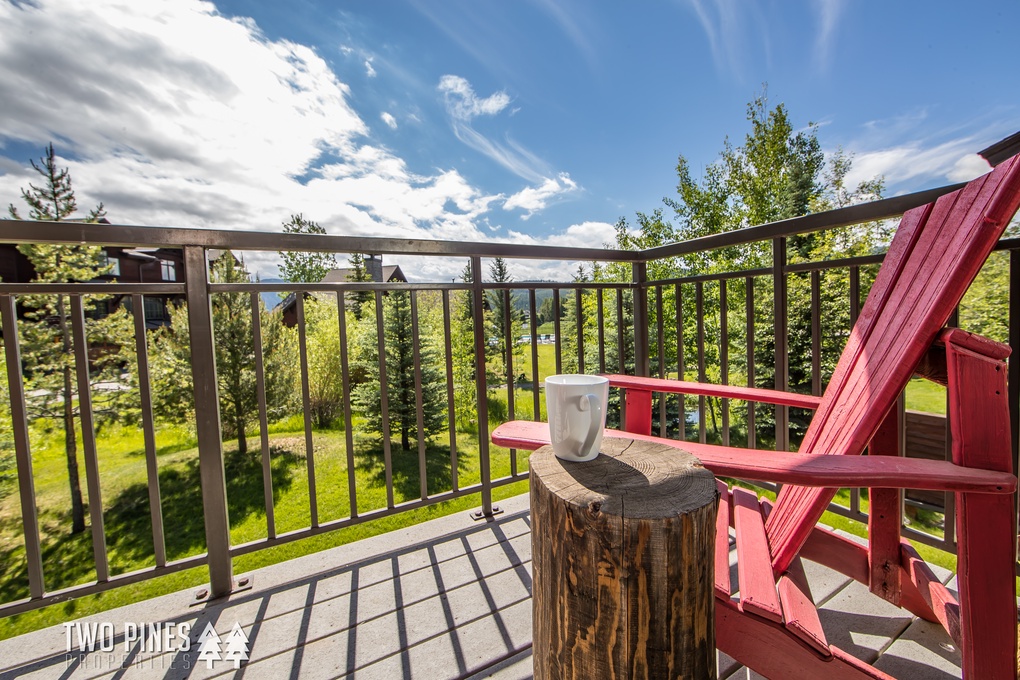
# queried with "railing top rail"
point(841, 217)
point(24, 231)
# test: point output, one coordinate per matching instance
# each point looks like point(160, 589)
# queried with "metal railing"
point(641, 342)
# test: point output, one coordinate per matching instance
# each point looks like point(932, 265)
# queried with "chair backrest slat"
point(935, 255)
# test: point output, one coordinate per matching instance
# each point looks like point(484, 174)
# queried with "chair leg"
point(986, 580)
point(985, 524)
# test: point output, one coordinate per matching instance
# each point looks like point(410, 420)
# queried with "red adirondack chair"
point(773, 626)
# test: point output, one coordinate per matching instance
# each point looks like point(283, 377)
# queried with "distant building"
point(128, 265)
point(373, 265)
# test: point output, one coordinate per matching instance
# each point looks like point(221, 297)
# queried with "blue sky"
point(532, 120)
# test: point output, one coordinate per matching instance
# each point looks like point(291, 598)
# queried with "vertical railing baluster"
point(419, 408)
point(855, 295)
point(450, 400)
point(749, 337)
point(508, 342)
point(724, 358)
point(816, 333)
point(481, 389)
point(532, 308)
point(639, 279)
point(579, 317)
point(621, 349)
point(680, 368)
point(601, 318)
point(556, 330)
point(779, 328)
point(207, 422)
point(306, 407)
point(88, 437)
point(660, 338)
point(148, 430)
point(345, 382)
point(699, 313)
point(260, 392)
point(22, 448)
point(384, 397)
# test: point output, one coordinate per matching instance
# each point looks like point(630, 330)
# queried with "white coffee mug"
point(577, 414)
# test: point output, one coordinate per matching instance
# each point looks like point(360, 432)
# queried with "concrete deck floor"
point(446, 599)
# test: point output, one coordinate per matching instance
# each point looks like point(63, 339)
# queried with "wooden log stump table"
point(623, 564)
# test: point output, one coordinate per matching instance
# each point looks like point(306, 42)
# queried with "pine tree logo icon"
point(237, 646)
point(209, 646)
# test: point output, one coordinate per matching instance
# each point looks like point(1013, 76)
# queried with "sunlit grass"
point(69, 558)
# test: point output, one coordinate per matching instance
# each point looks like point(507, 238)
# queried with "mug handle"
point(592, 403)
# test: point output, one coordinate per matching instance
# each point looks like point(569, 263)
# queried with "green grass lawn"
point(68, 559)
point(924, 395)
point(546, 361)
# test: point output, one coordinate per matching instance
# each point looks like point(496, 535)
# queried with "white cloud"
point(967, 168)
point(740, 33)
point(463, 104)
point(369, 70)
point(533, 199)
point(828, 12)
point(388, 118)
point(919, 161)
point(172, 114)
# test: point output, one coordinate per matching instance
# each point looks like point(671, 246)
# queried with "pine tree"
point(300, 266)
point(47, 344)
point(499, 272)
point(400, 388)
point(359, 274)
point(235, 358)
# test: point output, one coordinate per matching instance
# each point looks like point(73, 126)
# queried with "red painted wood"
point(799, 468)
point(638, 412)
point(884, 515)
point(769, 648)
point(837, 552)
point(938, 598)
point(754, 571)
point(933, 258)
point(978, 344)
point(722, 541)
point(799, 608)
point(986, 527)
point(629, 382)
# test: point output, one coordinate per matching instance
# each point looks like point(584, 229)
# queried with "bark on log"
point(623, 564)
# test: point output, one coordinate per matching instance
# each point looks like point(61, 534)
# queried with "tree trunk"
point(70, 439)
point(623, 564)
point(242, 438)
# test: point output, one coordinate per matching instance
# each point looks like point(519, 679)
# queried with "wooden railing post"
point(481, 388)
point(207, 422)
point(779, 321)
point(640, 278)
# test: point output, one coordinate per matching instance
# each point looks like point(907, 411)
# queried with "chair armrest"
point(709, 390)
point(802, 469)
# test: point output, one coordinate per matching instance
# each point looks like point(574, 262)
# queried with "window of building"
point(112, 262)
point(168, 269)
point(155, 309)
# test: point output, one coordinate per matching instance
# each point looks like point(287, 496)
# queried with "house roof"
point(390, 272)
